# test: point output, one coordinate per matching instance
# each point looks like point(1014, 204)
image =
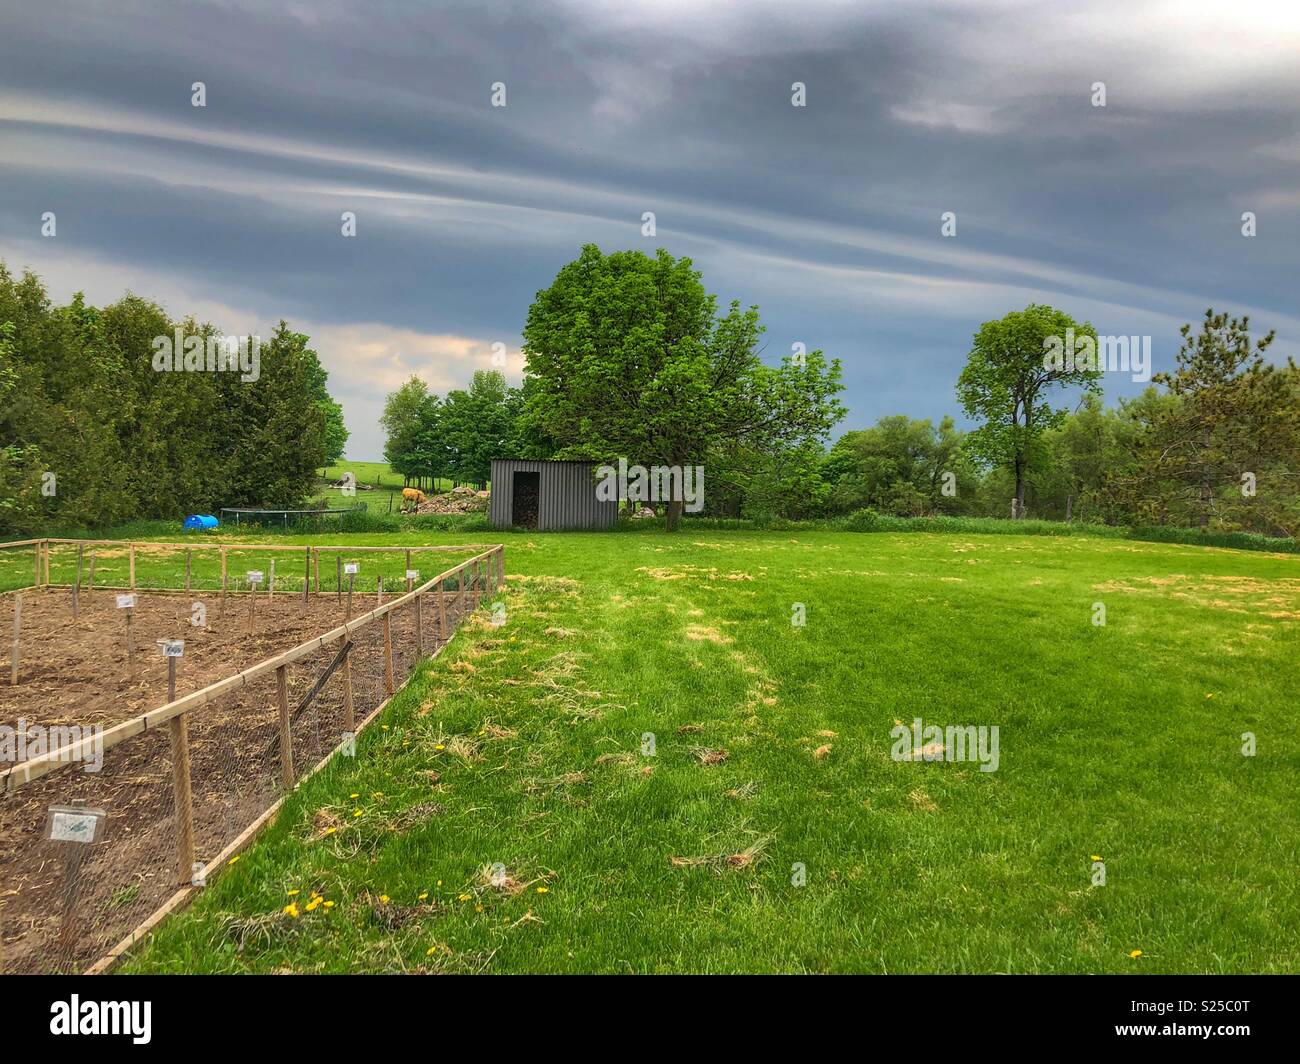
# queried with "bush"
point(1197, 538)
point(863, 520)
point(466, 522)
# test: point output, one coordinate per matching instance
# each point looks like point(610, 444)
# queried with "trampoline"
point(257, 516)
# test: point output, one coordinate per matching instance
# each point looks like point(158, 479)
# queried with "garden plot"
point(81, 674)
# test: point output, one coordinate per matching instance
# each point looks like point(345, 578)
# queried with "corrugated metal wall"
point(566, 495)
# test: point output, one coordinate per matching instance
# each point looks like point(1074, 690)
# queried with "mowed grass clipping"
point(506, 815)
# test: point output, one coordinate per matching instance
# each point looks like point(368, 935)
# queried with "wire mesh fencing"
point(164, 798)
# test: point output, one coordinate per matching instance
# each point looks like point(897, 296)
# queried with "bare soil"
point(78, 671)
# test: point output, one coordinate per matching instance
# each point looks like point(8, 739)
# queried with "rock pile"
point(458, 501)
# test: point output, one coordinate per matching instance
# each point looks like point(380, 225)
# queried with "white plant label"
point(351, 568)
point(173, 648)
point(254, 576)
point(413, 574)
point(75, 825)
point(126, 602)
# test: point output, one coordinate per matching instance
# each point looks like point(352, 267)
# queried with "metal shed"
point(548, 496)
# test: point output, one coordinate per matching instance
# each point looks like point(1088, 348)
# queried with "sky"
point(828, 216)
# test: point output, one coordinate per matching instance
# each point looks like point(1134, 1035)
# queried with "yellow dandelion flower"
point(1095, 857)
point(440, 882)
point(329, 905)
point(354, 795)
point(440, 747)
point(543, 890)
point(423, 896)
point(313, 904)
point(1135, 954)
point(330, 831)
point(464, 897)
point(383, 898)
point(292, 909)
point(356, 812)
point(431, 951)
point(233, 859)
point(384, 727)
point(292, 893)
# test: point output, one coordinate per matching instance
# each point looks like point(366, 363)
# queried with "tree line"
point(1212, 443)
point(454, 437)
point(93, 432)
point(627, 355)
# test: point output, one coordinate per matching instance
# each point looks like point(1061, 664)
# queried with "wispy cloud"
point(826, 216)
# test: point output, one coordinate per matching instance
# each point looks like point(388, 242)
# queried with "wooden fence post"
point(286, 738)
point(18, 635)
point(388, 654)
point(132, 563)
point(184, 801)
point(349, 710)
point(76, 584)
point(419, 625)
point(47, 564)
point(270, 582)
point(36, 558)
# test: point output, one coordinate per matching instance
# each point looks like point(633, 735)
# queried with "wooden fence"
point(483, 573)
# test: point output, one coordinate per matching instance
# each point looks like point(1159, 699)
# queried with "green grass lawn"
point(522, 748)
point(379, 474)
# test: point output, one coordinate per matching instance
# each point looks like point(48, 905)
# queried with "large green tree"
point(1010, 371)
point(280, 441)
point(627, 356)
point(457, 436)
point(479, 424)
point(402, 422)
point(335, 431)
point(92, 433)
point(898, 466)
point(1224, 448)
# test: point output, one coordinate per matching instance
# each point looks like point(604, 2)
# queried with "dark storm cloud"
point(826, 216)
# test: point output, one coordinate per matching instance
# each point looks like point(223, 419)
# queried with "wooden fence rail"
point(485, 569)
point(11, 779)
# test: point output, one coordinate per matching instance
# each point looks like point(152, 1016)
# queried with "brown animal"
point(414, 496)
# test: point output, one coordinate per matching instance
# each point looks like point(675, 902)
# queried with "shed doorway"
point(524, 492)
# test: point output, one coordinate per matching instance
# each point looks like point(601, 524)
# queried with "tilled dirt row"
point(84, 677)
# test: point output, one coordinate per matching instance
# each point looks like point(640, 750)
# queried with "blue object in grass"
point(201, 522)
